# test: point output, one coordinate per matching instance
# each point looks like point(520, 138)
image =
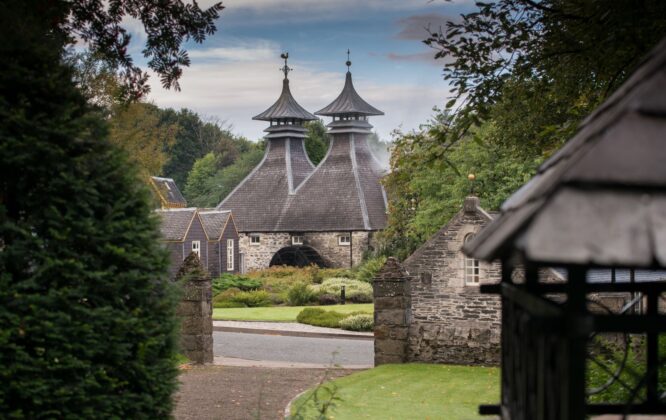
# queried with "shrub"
point(227, 281)
point(225, 299)
point(327, 273)
point(360, 322)
point(366, 272)
point(355, 291)
point(320, 318)
point(328, 299)
point(86, 306)
point(300, 294)
point(252, 299)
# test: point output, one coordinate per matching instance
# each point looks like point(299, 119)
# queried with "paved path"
point(285, 351)
point(286, 328)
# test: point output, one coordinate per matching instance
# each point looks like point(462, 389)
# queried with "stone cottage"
point(290, 212)
point(211, 234)
point(167, 193)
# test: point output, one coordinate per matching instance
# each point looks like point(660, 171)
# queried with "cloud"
point(428, 57)
point(417, 27)
point(245, 50)
point(236, 91)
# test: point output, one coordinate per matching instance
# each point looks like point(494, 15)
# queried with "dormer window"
point(344, 239)
point(255, 239)
point(297, 240)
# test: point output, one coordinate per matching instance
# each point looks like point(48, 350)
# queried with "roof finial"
point(348, 63)
point(286, 69)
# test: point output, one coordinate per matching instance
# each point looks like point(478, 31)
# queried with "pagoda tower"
point(344, 193)
point(259, 200)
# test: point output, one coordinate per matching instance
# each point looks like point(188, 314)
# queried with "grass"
point(409, 391)
point(281, 313)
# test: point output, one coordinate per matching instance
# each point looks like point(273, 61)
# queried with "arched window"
point(471, 266)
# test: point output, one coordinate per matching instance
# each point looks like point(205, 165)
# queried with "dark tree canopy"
point(167, 23)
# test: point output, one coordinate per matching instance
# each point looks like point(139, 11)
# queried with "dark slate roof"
point(259, 200)
point(214, 221)
point(344, 193)
point(601, 199)
point(168, 192)
point(349, 102)
point(286, 107)
point(175, 223)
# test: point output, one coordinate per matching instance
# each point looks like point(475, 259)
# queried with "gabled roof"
point(348, 102)
point(214, 222)
point(175, 223)
point(601, 199)
point(285, 107)
point(168, 192)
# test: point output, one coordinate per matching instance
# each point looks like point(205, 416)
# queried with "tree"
point(198, 186)
point(572, 53)
point(136, 128)
point(316, 140)
point(86, 309)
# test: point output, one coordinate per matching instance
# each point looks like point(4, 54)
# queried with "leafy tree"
point(87, 312)
point(557, 59)
point(316, 140)
point(198, 187)
point(137, 129)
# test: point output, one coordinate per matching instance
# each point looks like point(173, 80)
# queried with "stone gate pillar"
point(392, 306)
point(195, 311)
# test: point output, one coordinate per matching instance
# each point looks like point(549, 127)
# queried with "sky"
point(235, 75)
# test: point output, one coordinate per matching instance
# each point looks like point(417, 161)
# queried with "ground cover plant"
point(408, 391)
point(355, 291)
point(280, 313)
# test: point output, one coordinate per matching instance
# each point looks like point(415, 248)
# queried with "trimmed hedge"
point(360, 322)
point(323, 318)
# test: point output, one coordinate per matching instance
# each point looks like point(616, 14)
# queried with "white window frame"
point(344, 239)
point(230, 255)
point(196, 248)
point(297, 240)
point(253, 242)
point(472, 270)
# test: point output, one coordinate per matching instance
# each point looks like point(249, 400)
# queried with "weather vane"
point(348, 63)
point(285, 69)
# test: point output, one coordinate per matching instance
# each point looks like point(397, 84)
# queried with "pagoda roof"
point(348, 102)
point(285, 107)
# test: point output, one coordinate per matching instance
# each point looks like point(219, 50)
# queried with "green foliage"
point(320, 317)
point(360, 322)
point(328, 299)
point(225, 299)
point(236, 298)
point(316, 140)
point(300, 294)
point(228, 281)
point(355, 291)
point(86, 307)
point(196, 187)
point(369, 268)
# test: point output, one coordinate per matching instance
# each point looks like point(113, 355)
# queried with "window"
point(230, 255)
point(344, 239)
point(471, 266)
point(297, 240)
point(196, 248)
point(255, 240)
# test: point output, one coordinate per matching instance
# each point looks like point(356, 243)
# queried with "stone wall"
point(259, 256)
point(391, 296)
point(195, 311)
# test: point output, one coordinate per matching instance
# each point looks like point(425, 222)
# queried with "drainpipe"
point(351, 249)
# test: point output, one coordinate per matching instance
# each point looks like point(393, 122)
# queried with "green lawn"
point(281, 313)
point(410, 391)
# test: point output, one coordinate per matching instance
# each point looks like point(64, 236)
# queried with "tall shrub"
point(86, 310)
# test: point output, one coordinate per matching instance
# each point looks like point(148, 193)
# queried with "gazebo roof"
point(348, 102)
point(285, 107)
point(601, 199)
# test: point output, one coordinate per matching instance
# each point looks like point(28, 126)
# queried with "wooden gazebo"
point(598, 204)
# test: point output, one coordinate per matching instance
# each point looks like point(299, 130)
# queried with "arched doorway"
point(298, 256)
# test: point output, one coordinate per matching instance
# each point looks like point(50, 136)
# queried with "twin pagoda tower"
point(290, 212)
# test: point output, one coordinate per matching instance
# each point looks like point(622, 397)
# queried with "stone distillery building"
point(290, 212)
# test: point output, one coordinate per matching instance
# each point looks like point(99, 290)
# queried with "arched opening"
point(298, 256)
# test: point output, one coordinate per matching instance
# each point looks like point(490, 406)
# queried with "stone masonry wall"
point(391, 297)
point(196, 312)
point(325, 243)
point(452, 322)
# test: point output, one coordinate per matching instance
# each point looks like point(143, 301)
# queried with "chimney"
point(471, 204)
